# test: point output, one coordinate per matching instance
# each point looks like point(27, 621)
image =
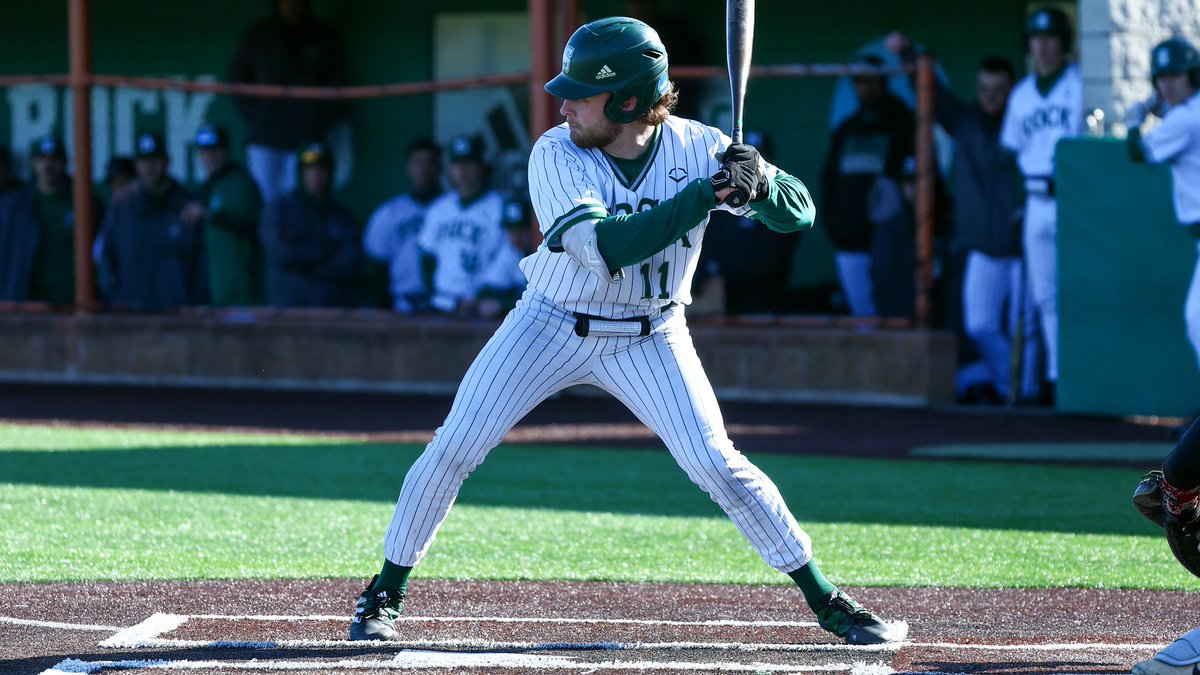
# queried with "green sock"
point(393, 577)
point(813, 584)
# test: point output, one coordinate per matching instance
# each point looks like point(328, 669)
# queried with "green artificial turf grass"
point(90, 504)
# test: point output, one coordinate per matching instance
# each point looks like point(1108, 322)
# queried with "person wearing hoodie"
point(871, 143)
point(291, 47)
point(311, 242)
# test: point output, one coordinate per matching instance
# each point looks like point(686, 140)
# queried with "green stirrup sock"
point(393, 577)
point(813, 584)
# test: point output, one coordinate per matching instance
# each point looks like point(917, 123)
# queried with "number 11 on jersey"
point(663, 276)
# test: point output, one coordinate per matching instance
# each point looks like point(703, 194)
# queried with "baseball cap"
point(515, 213)
point(150, 144)
point(315, 153)
point(48, 146)
point(466, 148)
point(212, 136)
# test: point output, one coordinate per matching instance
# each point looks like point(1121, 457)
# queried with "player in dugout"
point(622, 191)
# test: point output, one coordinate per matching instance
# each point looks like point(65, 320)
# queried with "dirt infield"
point(503, 627)
point(511, 627)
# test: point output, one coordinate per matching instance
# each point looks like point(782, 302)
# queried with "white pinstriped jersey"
point(569, 185)
point(1177, 140)
point(1033, 124)
point(463, 239)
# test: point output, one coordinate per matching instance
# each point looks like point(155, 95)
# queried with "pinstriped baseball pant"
point(1041, 251)
point(535, 353)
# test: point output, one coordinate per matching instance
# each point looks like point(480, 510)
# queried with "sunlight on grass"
point(87, 504)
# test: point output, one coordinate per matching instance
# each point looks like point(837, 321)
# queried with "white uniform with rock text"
point(1033, 125)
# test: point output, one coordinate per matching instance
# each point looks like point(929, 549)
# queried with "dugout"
point(404, 42)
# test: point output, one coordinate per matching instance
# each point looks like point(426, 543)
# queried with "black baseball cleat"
point(847, 619)
point(1148, 497)
point(375, 614)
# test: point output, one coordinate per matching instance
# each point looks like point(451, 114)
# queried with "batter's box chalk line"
point(146, 635)
point(420, 659)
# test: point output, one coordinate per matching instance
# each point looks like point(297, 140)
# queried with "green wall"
point(390, 41)
point(1124, 264)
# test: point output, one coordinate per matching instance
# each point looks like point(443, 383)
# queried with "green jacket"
point(235, 262)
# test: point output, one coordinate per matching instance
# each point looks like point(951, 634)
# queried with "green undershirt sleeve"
point(788, 207)
point(1133, 143)
point(629, 239)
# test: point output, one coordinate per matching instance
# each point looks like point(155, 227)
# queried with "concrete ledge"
point(811, 360)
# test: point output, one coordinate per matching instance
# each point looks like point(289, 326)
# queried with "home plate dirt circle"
point(522, 627)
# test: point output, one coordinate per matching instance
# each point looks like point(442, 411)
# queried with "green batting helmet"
point(1175, 55)
point(1052, 21)
point(619, 56)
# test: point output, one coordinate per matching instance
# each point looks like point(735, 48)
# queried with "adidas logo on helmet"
point(605, 72)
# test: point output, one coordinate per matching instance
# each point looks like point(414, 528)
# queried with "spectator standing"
point(230, 208)
point(988, 209)
point(149, 255)
point(871, 143)
point(37, 231)
point(310, 241)
point(462, 230)
point(1045, 107)
point(752, 261)
point(391, 234)
point(290, 48)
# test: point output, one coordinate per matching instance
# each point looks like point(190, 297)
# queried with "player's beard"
point(598, 136)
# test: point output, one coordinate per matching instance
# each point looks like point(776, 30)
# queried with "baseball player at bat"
point(622, 191)
point(1045, 107)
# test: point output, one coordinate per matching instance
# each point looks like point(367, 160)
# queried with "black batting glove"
point(741, 169)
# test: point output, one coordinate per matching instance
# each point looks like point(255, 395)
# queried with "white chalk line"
point(57, 624)
point(483, 645)
point(419, 659)
point(505, 619)
point(146, 631)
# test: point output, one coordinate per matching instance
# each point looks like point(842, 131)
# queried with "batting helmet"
point(1051, 21)
point(619, 56)
point(1175, 55)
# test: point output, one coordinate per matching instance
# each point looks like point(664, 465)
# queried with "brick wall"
point(1115, 41)
point(378, 351)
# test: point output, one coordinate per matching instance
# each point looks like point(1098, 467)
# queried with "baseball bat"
point(739, 43)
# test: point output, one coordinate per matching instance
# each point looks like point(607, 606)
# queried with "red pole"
point(925, 188)
point(81, 110)
point(542, 66)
